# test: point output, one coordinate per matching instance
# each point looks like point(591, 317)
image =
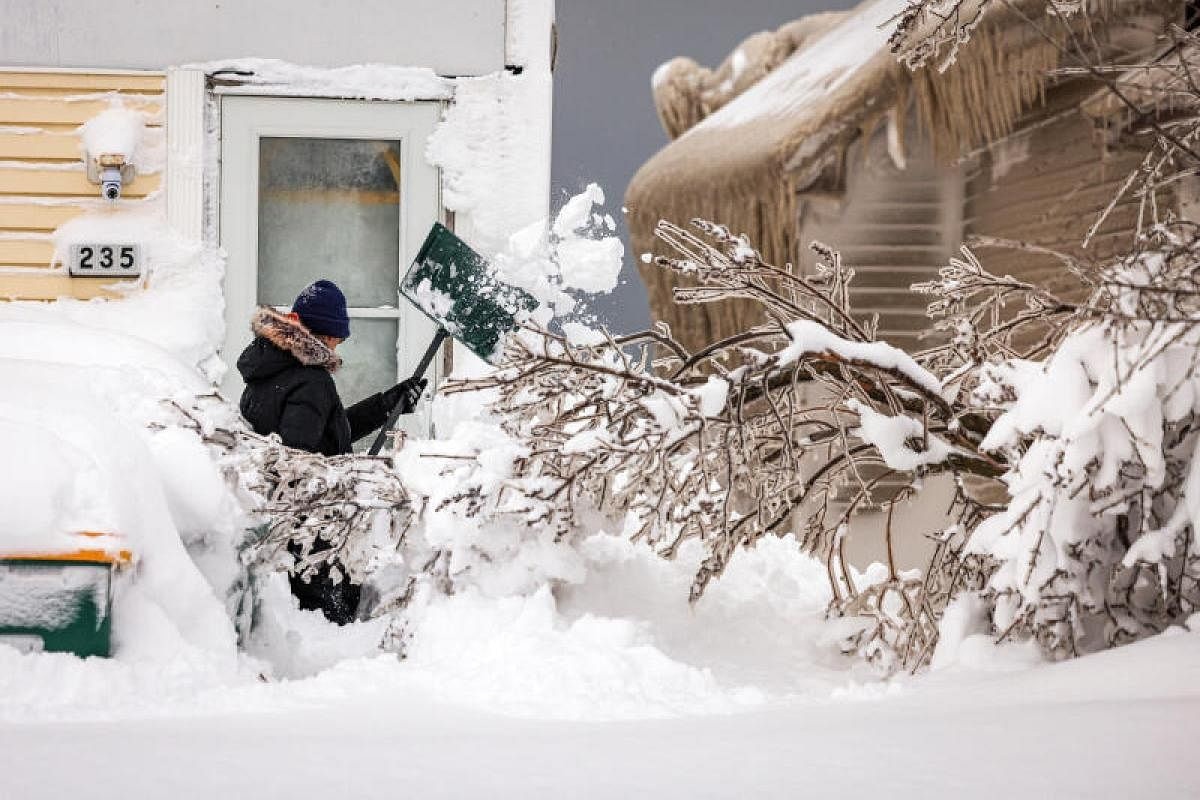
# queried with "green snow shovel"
point(455, 287)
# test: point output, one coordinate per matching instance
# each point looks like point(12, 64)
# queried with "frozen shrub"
point(798, 423)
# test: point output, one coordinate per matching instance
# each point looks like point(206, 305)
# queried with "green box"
point(57, 605)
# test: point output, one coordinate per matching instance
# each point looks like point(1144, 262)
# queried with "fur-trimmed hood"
point(291, 337)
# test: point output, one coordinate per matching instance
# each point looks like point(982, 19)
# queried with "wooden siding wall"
point(1047, 185)
point(42, 179)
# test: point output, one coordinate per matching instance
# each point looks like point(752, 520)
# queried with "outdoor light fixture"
point(110, 171)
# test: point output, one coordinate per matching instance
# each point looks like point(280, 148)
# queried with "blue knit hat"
point(322, 309)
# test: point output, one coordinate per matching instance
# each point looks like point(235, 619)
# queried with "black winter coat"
point(290, 391)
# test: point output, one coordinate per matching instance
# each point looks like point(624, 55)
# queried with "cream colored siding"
point(42, 179)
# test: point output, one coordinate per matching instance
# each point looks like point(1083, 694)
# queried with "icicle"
point(895, 137)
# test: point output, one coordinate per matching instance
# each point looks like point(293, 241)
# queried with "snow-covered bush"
point(304, 513)
point(1097, 545)
point(797, 424)
point(724, 445)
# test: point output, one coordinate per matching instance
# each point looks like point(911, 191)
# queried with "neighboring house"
point(297, 172)
point(816, 131)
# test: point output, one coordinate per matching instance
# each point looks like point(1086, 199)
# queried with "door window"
point(339, 189)
point(330, 208)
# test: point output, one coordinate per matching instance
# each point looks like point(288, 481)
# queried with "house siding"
point(1047, 185)
point(451, 37)
point(42, 178)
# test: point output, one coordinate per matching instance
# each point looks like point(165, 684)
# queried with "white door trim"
point(185, 152)
point(244, 120)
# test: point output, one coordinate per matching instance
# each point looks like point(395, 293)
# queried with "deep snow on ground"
point(602, 682)
point(1119, 724)
point(613, 688)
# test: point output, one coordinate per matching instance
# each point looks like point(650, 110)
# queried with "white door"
point(335, 189)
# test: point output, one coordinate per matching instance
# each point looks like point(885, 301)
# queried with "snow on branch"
point(790, 426)
point(1086, 411)
point(811, 338)
point(351, 513)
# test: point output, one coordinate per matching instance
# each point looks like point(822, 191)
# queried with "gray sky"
point(605, 126)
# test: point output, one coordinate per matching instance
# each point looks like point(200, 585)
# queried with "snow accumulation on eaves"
point(815, 71)
point(359, 81)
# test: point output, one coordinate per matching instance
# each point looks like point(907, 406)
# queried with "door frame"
point(247, 118)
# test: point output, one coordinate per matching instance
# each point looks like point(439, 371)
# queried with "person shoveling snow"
point(290, 392)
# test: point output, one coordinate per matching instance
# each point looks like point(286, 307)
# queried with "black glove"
point(406, 394)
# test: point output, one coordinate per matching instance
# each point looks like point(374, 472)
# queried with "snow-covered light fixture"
point(110, 142)
point(110, 171)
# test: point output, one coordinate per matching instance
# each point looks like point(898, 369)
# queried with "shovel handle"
point(426, 360)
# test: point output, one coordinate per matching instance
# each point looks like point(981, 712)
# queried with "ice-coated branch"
point(784, 427)
point(345, 512)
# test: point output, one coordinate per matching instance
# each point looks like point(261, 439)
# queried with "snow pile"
point(295, 644)
point(85, 383)
point(90, 471)
point(178, 305)
point(518, 655)
point(620, 642)
point(122, 131)
point(761, 628)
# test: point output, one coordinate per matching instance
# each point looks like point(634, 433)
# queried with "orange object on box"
point(98, 548)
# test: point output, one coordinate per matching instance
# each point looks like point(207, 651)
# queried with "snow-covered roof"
point(746, 147)
point(734, 165)
point(814, 72)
